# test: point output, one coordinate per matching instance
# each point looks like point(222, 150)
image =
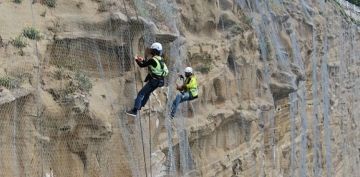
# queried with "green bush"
point(204, 68)
point(32, 33)
point(9, 82)
point(356, 2)
point(248, 20)
point(50, 3)
point(84, 82)
point(19, 42)
point(18, 1)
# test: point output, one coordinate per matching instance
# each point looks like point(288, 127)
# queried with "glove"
point(181, 76)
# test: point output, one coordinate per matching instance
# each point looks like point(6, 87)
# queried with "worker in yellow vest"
point(155, 78)
point(188, 90)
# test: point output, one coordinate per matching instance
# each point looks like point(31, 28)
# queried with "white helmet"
point(156, 46)
point(188, 70)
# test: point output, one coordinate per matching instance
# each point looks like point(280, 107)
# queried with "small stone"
point(118, 16)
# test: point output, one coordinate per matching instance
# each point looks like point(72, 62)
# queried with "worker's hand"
point(178, 87)
point(137, 58)
point(181, 76)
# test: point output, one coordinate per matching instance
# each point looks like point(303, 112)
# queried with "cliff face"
point(279, 89)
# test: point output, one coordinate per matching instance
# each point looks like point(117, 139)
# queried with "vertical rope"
point(37, 100)
point(142, 142)
point(139, 118)
point(150, 137)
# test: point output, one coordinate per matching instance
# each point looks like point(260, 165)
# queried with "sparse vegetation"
point(9, 82)
point(43, 14)
point(236, 29)
point(204, 68)
point(32, 33)
point(19, 42)
point(83, 82)
point(79, 82)
point(72, 65)
point(59, 73)
point(62, 94)
point(50, 3)
point(103, 7)
point(18, 1)
point(248, 20)
point(56, 25)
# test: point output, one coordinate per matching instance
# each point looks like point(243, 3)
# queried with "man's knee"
point(178, 95)
point(177, 98)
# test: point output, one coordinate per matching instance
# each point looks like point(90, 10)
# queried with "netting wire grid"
point(54, 72)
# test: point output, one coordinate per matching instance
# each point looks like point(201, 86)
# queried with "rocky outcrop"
point(8, 96)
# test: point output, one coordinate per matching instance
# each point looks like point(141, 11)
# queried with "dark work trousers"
point(144, 93)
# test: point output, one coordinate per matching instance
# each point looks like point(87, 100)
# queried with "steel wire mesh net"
point(67, 76)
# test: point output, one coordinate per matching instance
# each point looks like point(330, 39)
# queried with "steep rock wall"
point(248, 58)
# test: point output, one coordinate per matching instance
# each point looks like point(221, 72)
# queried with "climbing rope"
point(150, 136)
point(142, 143)
point(139, 118)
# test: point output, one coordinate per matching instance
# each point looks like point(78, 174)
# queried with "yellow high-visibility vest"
point(159, 70)
point(192, 86)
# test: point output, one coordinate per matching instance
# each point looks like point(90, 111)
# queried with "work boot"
point(132, 112)
point(172, 117)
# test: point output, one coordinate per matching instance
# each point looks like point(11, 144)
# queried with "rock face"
point(279, 89)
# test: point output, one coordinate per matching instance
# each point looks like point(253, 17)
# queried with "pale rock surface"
point(52, 126)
